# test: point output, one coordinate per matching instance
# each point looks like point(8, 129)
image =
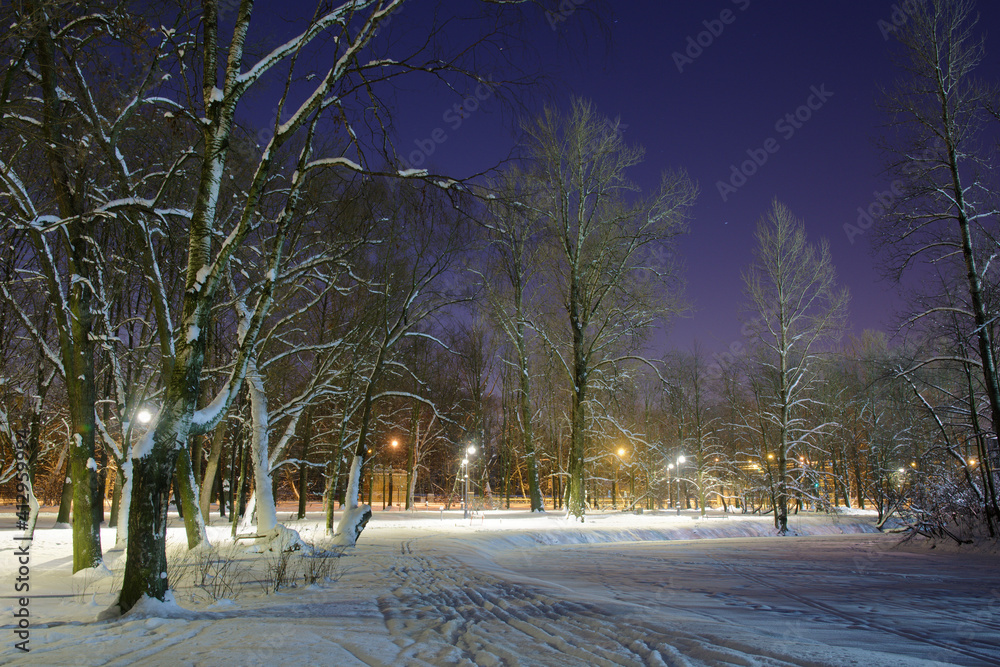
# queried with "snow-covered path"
point(437, 594)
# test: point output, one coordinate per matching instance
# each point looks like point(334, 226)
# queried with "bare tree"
point(407, 287)
point(941, 116)
point(609, 253)
point(689, 382)
point(791, 286)
point(85, 140)
point(514, 237)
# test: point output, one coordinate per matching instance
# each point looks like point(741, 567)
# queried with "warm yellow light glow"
point(621, 451)
point(770, 456)
point(394, 443)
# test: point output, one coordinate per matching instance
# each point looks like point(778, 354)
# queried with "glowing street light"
point(144, 416)
point(614, 477)
point(387, 476)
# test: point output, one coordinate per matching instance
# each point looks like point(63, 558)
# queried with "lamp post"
point(470, 450)
point(669, 468)
point(680, 460)
point(614, 478)
point(392, 460)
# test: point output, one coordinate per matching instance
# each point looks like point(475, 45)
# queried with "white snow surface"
point(510, 588)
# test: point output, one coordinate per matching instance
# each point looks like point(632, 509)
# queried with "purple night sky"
point(769, 60)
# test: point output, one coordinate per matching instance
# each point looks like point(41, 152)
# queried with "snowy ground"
point(509, 589)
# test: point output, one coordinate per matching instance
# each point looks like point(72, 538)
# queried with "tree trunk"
point(116, 498)
point(329, 495)
point(355, 516)
point(81, 396)
point(211, 472)
point(333, 479)
point(411, 465)
point(66, 499)
point(146, 560)
point(239, 498)
point(267, 511)
point(187, 491)
point(527, 437)
point(304, 465)
point(577, 473)
point(236, 455)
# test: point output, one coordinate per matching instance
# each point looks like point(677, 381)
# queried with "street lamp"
point(470, 450)
point(144, 416)
point(392, 459)
point(614, 478)
point(669, 468)
point(680, 460)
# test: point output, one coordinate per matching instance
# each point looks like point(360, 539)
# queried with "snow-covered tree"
point(942, 119)
point(791, 289)
point(411, 282)
point(514, 232)
point(608, 253)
